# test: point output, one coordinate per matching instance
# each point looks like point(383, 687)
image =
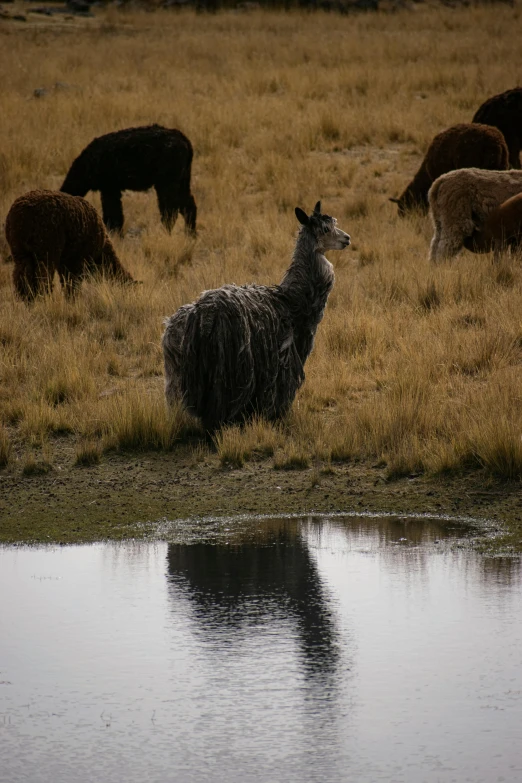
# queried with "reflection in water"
point(339, 650)
point(503, 571)
point(233, 587)
point(261, 603)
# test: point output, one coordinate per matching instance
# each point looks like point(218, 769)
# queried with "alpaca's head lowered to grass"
point(324, 229)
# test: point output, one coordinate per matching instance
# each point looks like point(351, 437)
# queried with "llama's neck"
point(310, 274)
point(305, 287)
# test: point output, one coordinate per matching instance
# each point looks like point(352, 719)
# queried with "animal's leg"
point(172, 344)
point(44, 276)
point(172, 360)
point(514, 158)
point(445, 247)
point(24, 276)
point(189, 211)
point(434, 246)
point(447, 240)
point(168, 203)
point(70, 282)
point(513, 143)
point(112, 210)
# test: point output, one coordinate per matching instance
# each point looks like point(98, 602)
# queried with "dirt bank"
point(126, 495)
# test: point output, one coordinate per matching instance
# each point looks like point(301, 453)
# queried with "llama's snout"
point(344, 239)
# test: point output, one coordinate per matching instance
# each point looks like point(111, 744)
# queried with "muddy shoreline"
point(127, 495)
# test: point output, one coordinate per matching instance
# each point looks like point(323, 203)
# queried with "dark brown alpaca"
point(137, 159)
point(504, 111)
point(462, 146)
point(52, 232)
point(502, 229)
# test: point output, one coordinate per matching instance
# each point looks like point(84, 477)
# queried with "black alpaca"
point(137, 159)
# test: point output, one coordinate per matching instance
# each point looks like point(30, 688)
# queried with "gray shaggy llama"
point(137, 159)
point(460, 147)
point(52, 232)
point(240, 350)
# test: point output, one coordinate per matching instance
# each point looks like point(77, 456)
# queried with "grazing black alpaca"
point(240, 350)
point(137, 159)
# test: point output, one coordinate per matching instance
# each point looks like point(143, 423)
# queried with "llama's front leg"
point(168, 203)
point(172, 361)
point(172, 344)
point(435, 242)
point(446, 243)
point(112, 210)
point(189, 211)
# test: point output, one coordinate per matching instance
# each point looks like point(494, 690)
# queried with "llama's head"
point(324, 229)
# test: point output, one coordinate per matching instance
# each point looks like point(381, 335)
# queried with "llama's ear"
point(317, 208)
point(302, 216)
point(394, 200)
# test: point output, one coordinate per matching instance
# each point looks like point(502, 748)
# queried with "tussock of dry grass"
point(88, 452)
point(37, 463)
point(257, 439)
point(414, 366)
point(5, 448)
point(140, 421)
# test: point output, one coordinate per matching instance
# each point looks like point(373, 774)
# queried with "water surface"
point(333, 649)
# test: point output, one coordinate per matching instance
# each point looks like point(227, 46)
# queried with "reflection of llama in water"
point(238, 587)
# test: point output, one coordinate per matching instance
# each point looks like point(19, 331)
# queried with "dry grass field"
point(415, 367)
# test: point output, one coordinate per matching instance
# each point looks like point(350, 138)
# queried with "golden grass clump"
point(257, 439)
point(140, 421)
point(5, 448)
point(88, 452)
point(36, 463)
point(416, 367)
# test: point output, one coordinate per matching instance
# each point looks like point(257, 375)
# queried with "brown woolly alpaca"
point(52, 232)
point(501, 230)
point(504, 111)
point(460, 202)
point(459, 147)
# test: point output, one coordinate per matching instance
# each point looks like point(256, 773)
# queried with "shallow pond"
point(324, 649)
